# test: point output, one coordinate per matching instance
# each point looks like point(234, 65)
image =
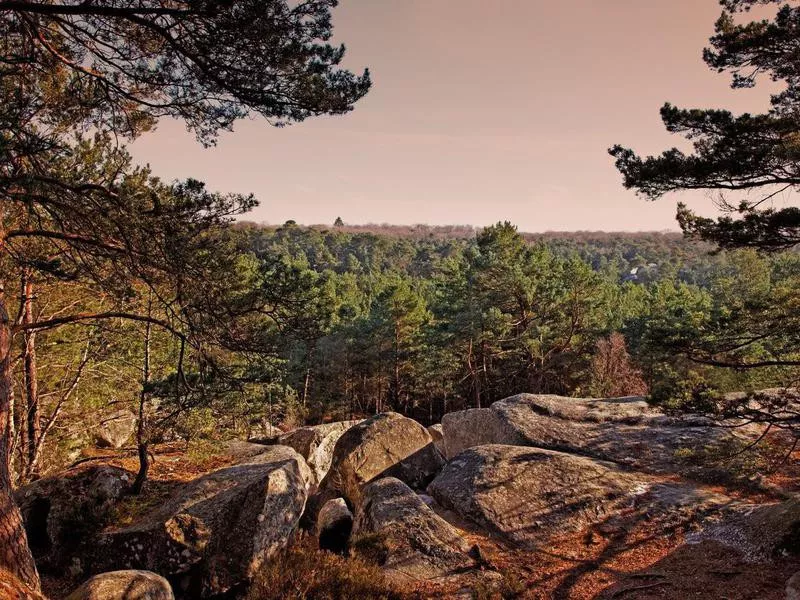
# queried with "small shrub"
point(303, 572)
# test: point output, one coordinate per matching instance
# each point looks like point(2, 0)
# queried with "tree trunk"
point(142, 434)
point(31, 384)
point(307, 381)
point(15, 555)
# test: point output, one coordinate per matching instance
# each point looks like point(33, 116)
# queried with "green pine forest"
point(420, 320)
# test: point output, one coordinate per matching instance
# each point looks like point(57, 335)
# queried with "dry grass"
point(303, 572)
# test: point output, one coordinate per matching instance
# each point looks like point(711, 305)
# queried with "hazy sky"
point(481, 110)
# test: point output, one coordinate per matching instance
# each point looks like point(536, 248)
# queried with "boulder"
point(623, 430)
point(316, 444)
point(525, 494)
point(219, 528)
point(334, 524)
point(124, 585)
point(115, 429)
point(758, 531)
point(62, 513)
point(437, 434)
point(385, 445)
point(793, 587)
point(416, 544)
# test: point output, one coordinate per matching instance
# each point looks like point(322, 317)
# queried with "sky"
point(481, 111)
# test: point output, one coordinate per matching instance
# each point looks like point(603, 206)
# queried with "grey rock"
point(115, 429)
point(221, 526)
point(759, 531)
point(62, 513)
point(124, 585)
point(624, 430)
point(793, 587)
point(525, 494)
point(419, 545)
point(334, 525)
point(316, 444)
point(437, 433)
point(385, 445)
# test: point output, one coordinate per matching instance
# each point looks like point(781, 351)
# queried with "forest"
point(355, 322)
point(127, 297)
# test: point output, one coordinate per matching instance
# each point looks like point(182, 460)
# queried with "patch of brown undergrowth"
point(303, 572)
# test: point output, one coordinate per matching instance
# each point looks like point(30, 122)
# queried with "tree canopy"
point(755, 156)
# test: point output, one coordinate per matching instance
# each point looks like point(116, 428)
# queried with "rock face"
point(760, 532)
point(316, 444)
point(61, 513)
point(437, 433)
point(418, 544)
point(793, 587)
point(623, 430)
point(124, 585)
point(384, 445)
point(527, 493)
point(115, 429)
point(219, 528)
point(334, 525)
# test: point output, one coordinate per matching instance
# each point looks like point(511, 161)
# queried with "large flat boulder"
point(386, 445)
point(219, 528)
point(124, 585)
point(316, 444)
point(525, 494)
point(623, 430)
point(418, 545)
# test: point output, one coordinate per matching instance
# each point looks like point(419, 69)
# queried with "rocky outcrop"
point(624, 430)
point(62, 513)
point(334, 525)
point(417, 544)
point(219, 528)
point(384, 445)
point(115, 429)
point(316, 444)
point(124, 585)
point(526, 493)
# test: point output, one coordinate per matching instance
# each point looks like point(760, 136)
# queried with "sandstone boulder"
point(62, 513)
point(437, 434)
point(316, 444)
point(758, 531)
point(124, 585)
point(623, 430)
point(218, 529)
point(385, 445)
point(525, 494)
point(793, 587)
point(417, 544)
point(115, 429)
point(334, 525)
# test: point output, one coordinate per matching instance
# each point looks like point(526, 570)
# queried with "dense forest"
point(422, 321)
